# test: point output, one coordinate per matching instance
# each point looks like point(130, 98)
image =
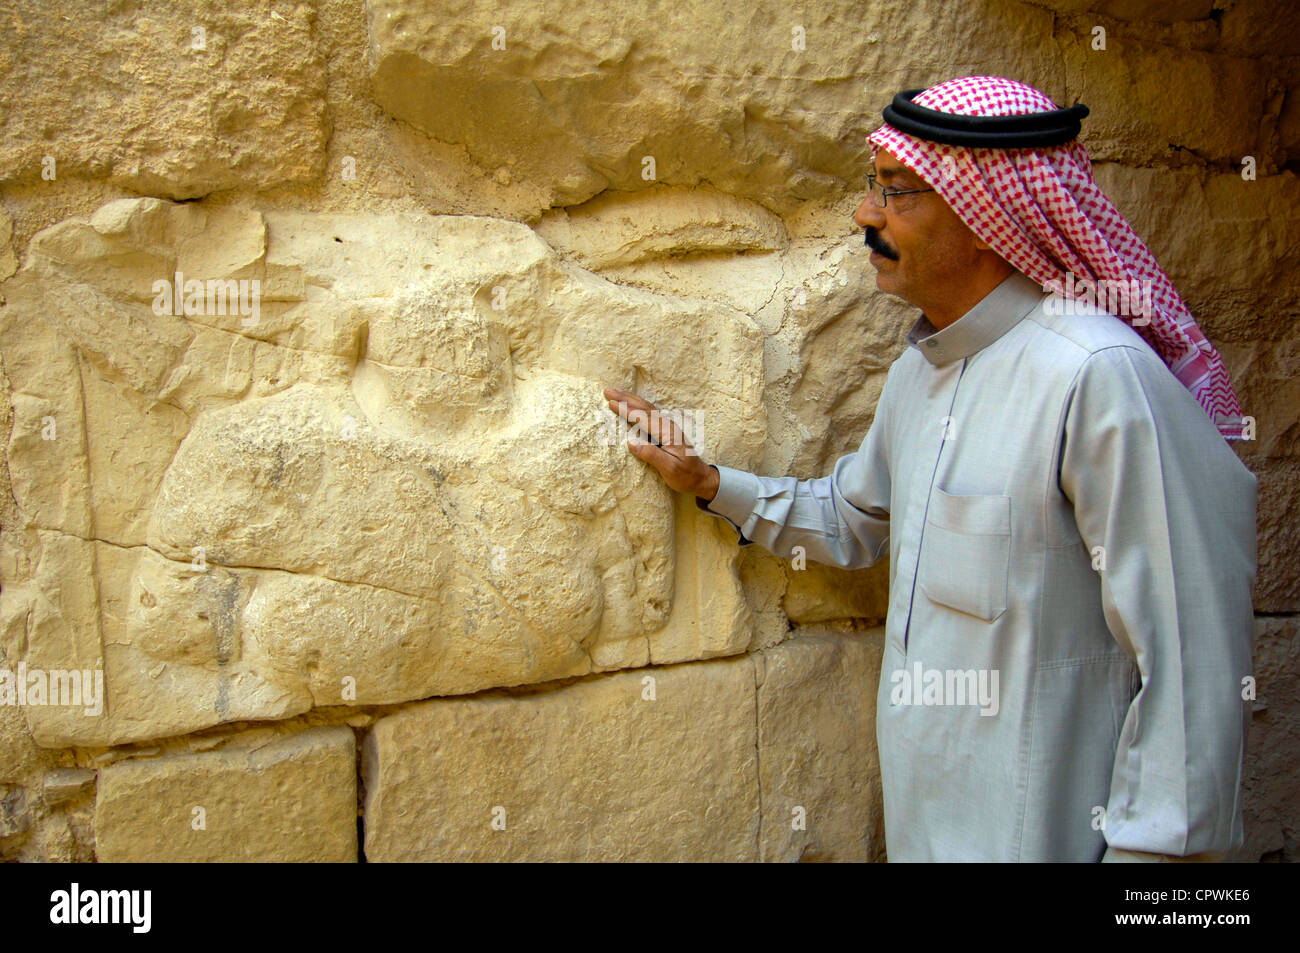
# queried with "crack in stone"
point(210, 563)
point(90, 515)
point(777, 287)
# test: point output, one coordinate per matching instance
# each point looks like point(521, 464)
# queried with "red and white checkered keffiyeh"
point(1041, 211)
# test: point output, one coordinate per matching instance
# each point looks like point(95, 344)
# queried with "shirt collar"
point(997, 313)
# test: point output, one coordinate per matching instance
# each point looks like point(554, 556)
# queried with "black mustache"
point(877, 244)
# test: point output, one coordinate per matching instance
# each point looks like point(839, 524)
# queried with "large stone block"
point(596, 771)
point(758, 99)
point(818, 766)
point(287, 799)
point(1213, 112)
point(116, 91)
point(391, 476)
point(719, 765)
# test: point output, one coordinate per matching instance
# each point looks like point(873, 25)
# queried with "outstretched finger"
point(641, 415)
point(624, 402)
point(659, 426)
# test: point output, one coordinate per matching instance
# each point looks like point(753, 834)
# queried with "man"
point(1071, 540)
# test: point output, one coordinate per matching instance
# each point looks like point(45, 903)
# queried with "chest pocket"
point(966, 553)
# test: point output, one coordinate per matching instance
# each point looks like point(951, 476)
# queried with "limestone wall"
point(305, 314)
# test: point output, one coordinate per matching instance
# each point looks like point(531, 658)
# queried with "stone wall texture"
point(305, 313)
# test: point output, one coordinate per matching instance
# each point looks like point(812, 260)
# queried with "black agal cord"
point(1049, 128)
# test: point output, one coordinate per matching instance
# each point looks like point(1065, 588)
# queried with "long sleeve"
point(1173, 512)
point(840, 520)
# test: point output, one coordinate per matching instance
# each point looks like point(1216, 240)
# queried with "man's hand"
point(668, 452)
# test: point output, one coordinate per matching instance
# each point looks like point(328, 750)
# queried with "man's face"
point(927, 248)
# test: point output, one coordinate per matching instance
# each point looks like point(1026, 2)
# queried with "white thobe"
point(1072, 550)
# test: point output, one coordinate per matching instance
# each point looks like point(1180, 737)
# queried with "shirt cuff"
point(735, 500)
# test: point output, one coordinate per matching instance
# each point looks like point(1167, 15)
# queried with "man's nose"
point(869, 215)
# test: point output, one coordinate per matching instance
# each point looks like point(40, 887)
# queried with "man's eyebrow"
point(894, 175)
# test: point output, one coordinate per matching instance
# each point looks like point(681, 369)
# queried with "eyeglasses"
point(880, 196)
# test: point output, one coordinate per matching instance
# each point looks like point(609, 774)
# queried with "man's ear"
point(982, 245)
